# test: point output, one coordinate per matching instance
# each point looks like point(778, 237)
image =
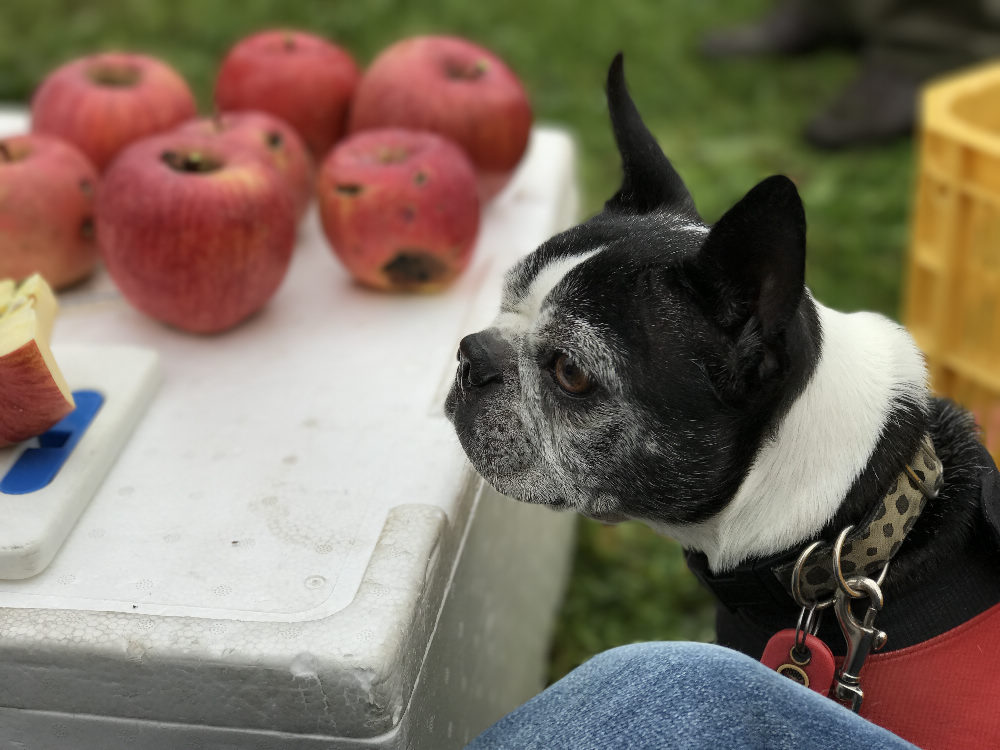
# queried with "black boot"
point(880, 104)
point(794, 27)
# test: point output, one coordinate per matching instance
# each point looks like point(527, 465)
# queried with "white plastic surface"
point(274, 547)
point(35, 524)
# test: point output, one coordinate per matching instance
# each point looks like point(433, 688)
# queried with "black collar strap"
point(867, 550)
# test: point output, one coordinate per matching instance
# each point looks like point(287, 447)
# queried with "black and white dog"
point(645, 365)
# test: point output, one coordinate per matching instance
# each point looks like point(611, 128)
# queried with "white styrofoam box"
point(275, 556)
point(35, 524)
point(486, 654)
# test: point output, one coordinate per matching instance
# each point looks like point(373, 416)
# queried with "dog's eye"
point(570, 377)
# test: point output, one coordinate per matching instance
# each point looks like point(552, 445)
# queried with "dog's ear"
point(650, 181)
point(752, 265)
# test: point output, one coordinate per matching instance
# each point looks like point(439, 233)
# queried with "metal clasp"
point(862, 637)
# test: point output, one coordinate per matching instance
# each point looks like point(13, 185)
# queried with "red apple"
point(46, 210)
point(103, 102)
point(299, 77)
point(34, 395)
point(196, 232)
point(455, 88)
point(273, 138)
point(399, 208)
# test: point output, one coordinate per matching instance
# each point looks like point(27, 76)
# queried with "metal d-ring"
point(838, 545)
point(808, 624)
point(797, 581)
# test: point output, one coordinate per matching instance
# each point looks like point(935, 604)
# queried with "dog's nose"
point(477, 359)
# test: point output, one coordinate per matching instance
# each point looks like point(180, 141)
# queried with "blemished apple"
point(195, 231)
point(399, 208)
point(455, 88)
point(35, 394)
point(47, 190)
point(103, 102)
point(300, 77)
point(273, 138)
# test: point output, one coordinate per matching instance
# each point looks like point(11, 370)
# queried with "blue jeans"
point(680, 695)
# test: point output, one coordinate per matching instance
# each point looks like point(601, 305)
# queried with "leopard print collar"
point(871, 545)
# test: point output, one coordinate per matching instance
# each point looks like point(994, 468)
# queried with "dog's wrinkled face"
point(639, 357)
point(575, 407)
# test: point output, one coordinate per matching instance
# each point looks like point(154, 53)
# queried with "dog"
point(647, 366)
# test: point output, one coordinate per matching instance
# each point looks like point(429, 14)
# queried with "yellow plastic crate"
point(953, 291)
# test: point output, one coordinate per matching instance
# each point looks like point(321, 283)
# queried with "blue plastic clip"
point(37, 467)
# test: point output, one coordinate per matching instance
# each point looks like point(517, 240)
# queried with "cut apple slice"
point(7, 287)
point(33, 392)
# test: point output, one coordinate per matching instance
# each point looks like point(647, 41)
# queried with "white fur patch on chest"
point(799, 478)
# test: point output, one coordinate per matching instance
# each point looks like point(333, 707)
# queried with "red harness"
point(942, 694)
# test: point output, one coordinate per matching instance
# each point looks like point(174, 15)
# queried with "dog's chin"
point(516, 491)
point(525, 489)
point(527, 486)
point(520, 487)
point(607, 517)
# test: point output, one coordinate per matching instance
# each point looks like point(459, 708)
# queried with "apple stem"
point(461, 71)
point(217, 120)
point(116, 76)
point(391, 154)
point(5, 153)
point(289, 42)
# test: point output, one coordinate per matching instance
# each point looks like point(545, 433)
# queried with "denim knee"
point(679, 695)
point(704, 661)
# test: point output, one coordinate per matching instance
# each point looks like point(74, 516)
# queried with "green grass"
point(725, 125)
